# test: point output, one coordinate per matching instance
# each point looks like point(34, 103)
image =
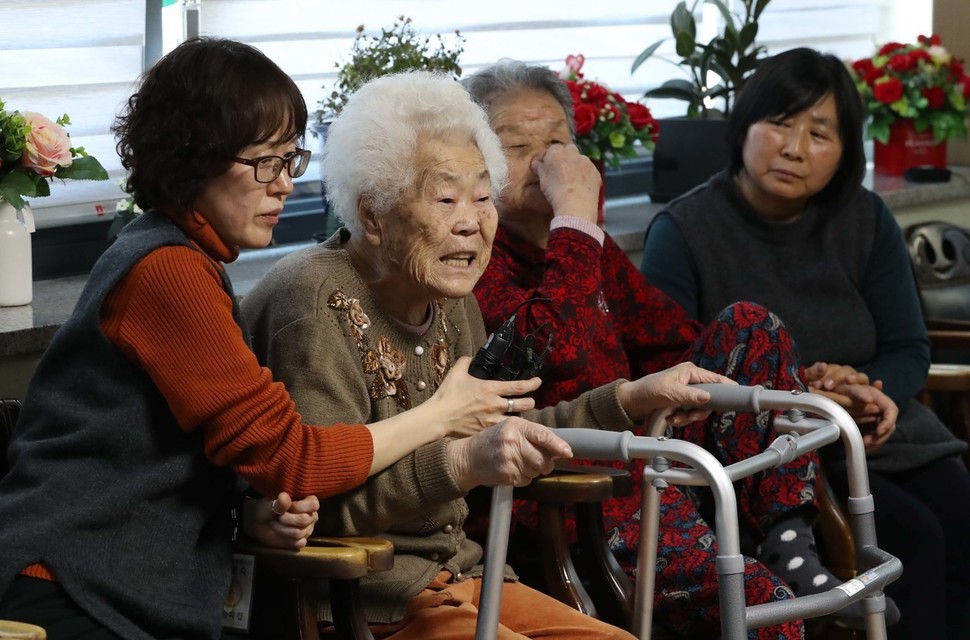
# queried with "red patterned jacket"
point(606, 320)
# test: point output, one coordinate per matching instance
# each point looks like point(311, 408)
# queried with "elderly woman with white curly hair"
point(367, 324)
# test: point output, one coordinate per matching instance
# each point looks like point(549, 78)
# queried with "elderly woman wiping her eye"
point(369, 324)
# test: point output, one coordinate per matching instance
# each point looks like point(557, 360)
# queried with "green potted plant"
point(398, 48)
point(732, 55)
point(692, 148)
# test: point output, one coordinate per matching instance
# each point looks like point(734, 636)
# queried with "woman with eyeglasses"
point(148, 413)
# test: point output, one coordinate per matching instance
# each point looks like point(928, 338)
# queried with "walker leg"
point(647, 556)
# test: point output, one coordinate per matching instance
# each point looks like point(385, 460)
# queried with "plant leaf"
point(685, 44)
point(676, 88)
point(646, 53)
point(748, 33)
point(86, 168)
point(759, 7)
point(682, 21)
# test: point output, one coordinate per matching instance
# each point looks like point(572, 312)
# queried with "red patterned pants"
point(750, 345)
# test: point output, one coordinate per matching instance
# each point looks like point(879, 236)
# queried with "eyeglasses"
point(268, 168)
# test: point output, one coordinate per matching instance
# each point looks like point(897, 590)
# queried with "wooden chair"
point(285, 581)
point(947, 388)
point(583, 489)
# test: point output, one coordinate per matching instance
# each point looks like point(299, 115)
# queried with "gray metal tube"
point(647, 557)
point(490, 603)
point(737, 398)
point(597, 444)
point(866, 586)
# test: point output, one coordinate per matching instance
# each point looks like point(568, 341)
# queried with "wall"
point(951, 20)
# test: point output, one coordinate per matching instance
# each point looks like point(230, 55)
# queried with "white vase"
point(16, 283)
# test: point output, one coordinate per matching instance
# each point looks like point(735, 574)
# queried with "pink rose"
point(48, 145)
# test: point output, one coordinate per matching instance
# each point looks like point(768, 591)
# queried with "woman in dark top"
point(788, 225)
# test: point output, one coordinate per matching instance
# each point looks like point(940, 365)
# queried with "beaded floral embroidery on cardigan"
point(383, 361)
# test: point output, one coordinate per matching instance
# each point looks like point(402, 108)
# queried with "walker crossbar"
point(878, 567)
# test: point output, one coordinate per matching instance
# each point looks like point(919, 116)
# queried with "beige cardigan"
point(316, 326)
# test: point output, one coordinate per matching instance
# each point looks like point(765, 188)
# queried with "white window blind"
point(84, 58)
point(79, 58)
point(308, 36)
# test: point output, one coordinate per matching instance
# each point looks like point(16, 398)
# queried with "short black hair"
point(195, 110)
point(789, 83)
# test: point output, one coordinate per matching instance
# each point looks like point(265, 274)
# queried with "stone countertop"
point(28, 329)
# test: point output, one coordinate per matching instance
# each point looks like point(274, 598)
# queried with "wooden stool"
point(21, 631)
point(950, 383)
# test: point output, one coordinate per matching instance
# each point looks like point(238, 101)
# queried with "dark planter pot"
point(317, 140)
point(689, 151)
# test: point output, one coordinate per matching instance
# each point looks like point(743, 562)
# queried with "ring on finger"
point(511, 408)
point(272, 507)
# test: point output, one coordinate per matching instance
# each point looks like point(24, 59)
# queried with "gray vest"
point(105, 488)
point(809, 258)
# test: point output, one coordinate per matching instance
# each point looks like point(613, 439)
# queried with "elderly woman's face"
point(789, 160)
point(528, 122)
point(439, 237)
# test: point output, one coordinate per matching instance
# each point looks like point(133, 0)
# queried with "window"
point(81, 58)
point(85, 57)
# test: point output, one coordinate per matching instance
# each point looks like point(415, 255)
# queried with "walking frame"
point(799, 435)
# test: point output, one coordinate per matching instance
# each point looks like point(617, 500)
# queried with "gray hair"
point(370, 147)
point(505, 76)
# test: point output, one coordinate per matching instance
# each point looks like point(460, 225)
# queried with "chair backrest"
point(9, 412)
point(940, 253)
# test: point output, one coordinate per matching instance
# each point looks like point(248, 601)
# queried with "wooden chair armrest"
point(941, 324)
point(948, 377)
point(21, 631)
point(324, 558)
point(949, 338)
point(577, 484)
point(622, 480)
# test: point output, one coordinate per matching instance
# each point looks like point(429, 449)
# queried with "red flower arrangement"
point(922, 82)
point(608, 127)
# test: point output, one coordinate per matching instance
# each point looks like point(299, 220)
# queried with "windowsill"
point(28, 329)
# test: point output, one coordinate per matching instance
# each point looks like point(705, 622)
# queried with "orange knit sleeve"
point(171, 315)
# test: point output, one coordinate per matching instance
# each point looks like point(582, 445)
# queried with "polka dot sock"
point(789, 551)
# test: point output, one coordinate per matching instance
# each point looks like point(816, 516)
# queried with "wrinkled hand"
point(467, 405)
point(288, 531)
point(670, 388)
point(827, 376)
point(511, 453)
point(569, 181)
point(874, 412)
